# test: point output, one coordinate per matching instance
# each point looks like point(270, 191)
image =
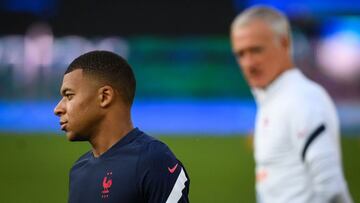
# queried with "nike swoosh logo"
point(172, 170)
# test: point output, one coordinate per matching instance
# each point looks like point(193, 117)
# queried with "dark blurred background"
point(181, 55)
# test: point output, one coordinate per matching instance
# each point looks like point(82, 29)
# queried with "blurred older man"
point(297, 150)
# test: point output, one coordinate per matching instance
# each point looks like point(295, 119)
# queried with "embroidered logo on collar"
point(106, 184)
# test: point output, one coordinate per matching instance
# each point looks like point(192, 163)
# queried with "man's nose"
point(59, 110)
point(247, 60)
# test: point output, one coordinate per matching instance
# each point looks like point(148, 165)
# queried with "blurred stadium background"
point(190, 91)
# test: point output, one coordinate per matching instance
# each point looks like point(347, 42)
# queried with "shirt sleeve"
point(162, 177)
point(318, 149)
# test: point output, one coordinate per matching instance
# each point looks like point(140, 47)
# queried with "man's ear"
point(106, 95)
point(285, 42)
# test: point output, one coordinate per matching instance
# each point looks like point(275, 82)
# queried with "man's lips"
point(63, 125)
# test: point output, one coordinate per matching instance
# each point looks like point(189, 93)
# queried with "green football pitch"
point(34, 168)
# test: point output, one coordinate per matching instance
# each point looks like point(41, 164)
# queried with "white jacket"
point(297, 149)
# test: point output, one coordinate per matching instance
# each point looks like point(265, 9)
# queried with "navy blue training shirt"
point(137, 169)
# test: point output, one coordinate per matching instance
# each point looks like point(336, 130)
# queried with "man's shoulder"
point(85, 156)
point(305, 97)
point(154, 150)
point(304, 91)
point(152, 146)
point(83, 159)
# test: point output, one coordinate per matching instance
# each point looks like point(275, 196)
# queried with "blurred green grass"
point(34, 168)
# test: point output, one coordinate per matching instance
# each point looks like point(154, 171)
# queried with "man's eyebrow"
point(63, 91)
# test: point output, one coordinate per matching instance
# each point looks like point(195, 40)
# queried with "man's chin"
point(75, 138)
point(259, 85)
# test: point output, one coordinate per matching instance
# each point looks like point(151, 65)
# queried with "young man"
point(125, 165)
point(297, 151)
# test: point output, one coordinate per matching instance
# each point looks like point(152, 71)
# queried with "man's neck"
point(109, 134)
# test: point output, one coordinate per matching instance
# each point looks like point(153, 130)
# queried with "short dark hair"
point(109, 67)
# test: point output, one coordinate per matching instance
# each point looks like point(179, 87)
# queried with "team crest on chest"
point(106, 184)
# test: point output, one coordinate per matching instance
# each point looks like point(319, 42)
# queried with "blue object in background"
point(155, 117)
point(298, 8)
point(335, 25)
point(195, 117)
point(162, 117)
point(28, 116)
point(36, 7)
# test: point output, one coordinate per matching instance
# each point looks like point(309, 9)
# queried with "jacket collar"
point(263, 95)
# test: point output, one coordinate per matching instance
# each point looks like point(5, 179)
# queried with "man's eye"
point(69, 96)
point(240, 54)
point(257, 50)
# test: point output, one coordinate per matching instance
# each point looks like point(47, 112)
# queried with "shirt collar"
point(262, 95)
point(128, 138)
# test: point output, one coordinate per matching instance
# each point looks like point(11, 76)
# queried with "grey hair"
point(277, 21)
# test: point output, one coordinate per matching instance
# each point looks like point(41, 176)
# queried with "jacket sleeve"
point(162, 177)
point(318, 148)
